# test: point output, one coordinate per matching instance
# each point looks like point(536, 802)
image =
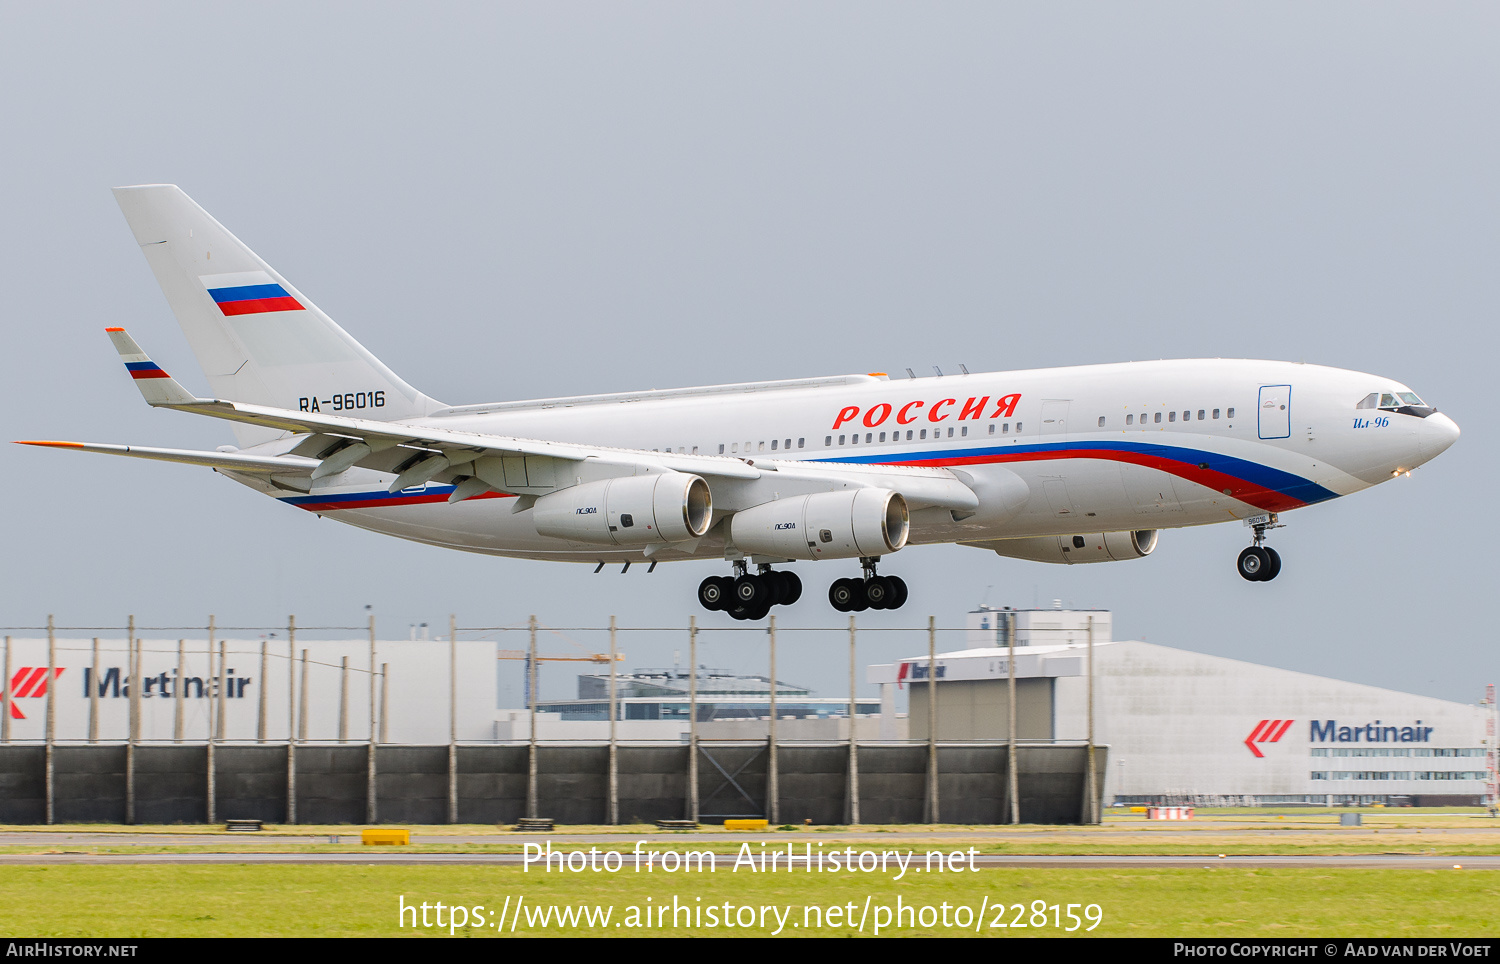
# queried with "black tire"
point(750, 591)
point(791, 588)
point(1274, 569)
point(1254, 563)
point(899, 592)
point(842, 593)
point(878, 592)
point(713, 594)
point(759, 612)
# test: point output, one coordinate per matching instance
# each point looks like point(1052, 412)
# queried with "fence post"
point(93, 693)
point(452, 718)
point(531, 801)
point(372, 809)
point(50, 732)
point(773, 775)
point(853, 740)
point(132, 671)
point(932, 718)
point(614, 745)
point(1013, 762)
point(260, 707)
point(291, 719)
point(693, 719)
point(5, 692)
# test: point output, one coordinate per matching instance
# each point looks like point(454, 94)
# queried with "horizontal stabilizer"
point(156, 385)
point(230, 461)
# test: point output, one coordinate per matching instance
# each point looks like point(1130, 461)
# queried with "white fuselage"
point(1102, 448)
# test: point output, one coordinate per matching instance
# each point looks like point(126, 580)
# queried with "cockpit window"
point(1405, 403)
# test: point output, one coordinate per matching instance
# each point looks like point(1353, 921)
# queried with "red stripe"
point(24, 689)
point(333, 504)
point(150, 373)
point(1247, 492)
point(258, 305)
point(1282, 732)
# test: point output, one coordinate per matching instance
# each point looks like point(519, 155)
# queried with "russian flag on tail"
point(248, 293)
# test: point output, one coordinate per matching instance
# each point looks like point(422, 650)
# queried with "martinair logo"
point(31, 682)
point(1267, 731)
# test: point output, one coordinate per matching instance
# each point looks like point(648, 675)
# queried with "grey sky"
point(516, 201)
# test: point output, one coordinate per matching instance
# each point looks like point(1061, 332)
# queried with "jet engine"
point(825, 525)
point(634, 510)
point(1094, 547)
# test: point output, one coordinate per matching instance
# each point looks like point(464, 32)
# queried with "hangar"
point(1185, 727)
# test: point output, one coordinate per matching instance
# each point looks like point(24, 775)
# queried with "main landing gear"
point(871, 592)
point(1260, 563)
point(749, 596)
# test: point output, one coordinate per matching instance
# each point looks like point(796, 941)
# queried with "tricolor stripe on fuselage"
point(1266, 488)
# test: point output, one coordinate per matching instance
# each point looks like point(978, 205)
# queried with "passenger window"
point(800, 441)
point(762, 447)
point(1230, 413)
point(695, 450)
point(869, 436)
point(1101, 421)
point(1018, 428)
point(1200, 414)
point(1158, 416)
point(1187, 416)
point(882, 436)
point(1171, 416)
point(773, 445)
point(787, 444)
point(924, 433)
point(841, 439)
point(950, 432)
point(965, 431)
point(1130, 420)
point(992, 429)
point(1216, 413)
point(721, 449)
point(735, 447)
point(854, 439)
point(827, 441)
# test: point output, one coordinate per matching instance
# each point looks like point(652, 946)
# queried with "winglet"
point(157, 387)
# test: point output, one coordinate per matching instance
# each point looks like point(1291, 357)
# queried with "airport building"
point(1190, 728)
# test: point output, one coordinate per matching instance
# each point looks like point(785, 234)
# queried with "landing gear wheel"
point(898, 592)
point(751, 591)
point(1254, 563)
point(791, 587)
point(842, 593)
point(714, 593)
point(878, 592)
point(1274, 566)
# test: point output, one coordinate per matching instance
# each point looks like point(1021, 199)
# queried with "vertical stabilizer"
point(258, 338)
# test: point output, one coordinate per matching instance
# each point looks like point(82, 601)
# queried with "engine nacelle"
point(1095, 547)
point(635, 510)
point(825, 525)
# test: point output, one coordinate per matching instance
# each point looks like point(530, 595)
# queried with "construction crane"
point(525, 657)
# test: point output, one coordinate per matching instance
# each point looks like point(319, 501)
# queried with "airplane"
point(1062, 465)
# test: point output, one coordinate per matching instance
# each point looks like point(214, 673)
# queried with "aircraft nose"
point(1438, 431)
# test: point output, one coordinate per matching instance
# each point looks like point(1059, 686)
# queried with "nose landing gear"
point(871, 592)
point(749, 596)
point(1260, 563)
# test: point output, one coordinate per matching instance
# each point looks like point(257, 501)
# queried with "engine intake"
point(635, 510)
point(825, 525)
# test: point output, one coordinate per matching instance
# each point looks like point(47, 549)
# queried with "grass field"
point(1215, 900)
point(241, 900)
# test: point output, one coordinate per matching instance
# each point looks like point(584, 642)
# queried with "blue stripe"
point(1253, 472)
point(142, 366)
point(366, 496)
point(246, 293)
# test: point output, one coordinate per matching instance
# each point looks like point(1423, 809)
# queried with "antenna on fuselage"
point(911, 374)
point(964, 369)
point(938, 370)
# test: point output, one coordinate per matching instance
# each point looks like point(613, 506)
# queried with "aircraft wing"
point(231, 461)
point(416, 453)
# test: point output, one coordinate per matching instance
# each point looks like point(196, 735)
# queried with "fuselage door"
point(1054, 420)
point(1275, 411)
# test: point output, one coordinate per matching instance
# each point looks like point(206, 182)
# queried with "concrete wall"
point(171, 783)
point(980, 710)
